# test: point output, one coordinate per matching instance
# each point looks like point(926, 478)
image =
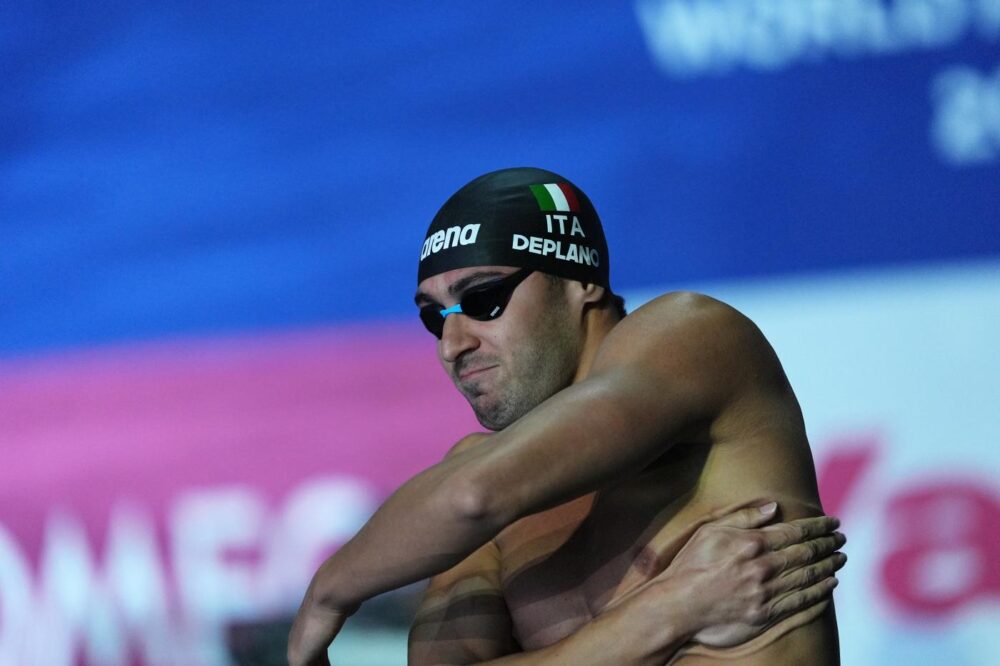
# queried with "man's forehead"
point(454, 282)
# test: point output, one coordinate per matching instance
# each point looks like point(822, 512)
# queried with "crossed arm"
point(609, 426)
point(729, 583)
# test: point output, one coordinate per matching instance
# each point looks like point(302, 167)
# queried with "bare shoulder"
point(686, 313)
point(687, 333)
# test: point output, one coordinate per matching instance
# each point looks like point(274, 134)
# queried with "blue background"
point(192, 169)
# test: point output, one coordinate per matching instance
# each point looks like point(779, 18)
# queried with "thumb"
point(749, 516)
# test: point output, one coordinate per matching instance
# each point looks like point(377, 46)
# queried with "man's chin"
point(489, 422)
point(486, 412)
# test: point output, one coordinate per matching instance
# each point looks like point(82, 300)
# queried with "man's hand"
point(740, 578)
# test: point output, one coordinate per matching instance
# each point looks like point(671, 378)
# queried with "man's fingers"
point(806, 576)
point(809, 552)
point(798, 600)
point(748, 517)
point(783, 535)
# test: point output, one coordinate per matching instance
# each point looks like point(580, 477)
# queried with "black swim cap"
point(523, 217)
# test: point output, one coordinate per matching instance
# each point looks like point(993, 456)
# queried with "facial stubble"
point(535, 371)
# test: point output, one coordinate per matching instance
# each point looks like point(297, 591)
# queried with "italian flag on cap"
point(555, 197)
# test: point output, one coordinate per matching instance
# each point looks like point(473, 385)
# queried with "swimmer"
point(623, 509)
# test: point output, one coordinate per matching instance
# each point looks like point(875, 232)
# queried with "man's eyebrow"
point(422, 299)
point(457, 287)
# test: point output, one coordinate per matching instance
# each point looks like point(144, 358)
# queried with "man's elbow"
point(472, 498)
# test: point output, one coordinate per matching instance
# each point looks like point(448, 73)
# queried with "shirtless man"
point(615, 515)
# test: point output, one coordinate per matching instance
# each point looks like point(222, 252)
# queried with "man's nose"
point(457, 337)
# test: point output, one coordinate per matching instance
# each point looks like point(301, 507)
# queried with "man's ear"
point(588, 293)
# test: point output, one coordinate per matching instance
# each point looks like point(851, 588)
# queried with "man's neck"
point(598, 324)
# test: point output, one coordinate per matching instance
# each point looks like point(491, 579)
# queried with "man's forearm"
point(425, 527)
point(646, 630)
point(421, 530)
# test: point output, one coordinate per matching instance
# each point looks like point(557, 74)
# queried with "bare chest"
point(562, 567)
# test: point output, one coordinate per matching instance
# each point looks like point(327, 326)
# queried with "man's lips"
point(467, 374)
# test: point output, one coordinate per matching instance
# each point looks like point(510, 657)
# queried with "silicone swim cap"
point(523, 217)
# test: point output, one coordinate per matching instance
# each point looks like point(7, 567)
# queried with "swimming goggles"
point(482, 302)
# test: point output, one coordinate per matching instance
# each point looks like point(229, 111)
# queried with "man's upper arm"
point(463, 618)
point(670, 365)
